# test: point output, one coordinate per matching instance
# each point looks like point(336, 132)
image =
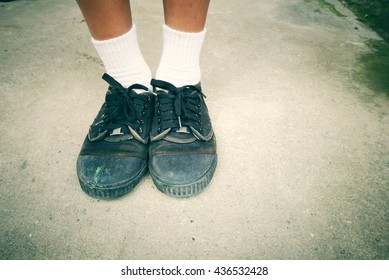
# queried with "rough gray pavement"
point(303, 146)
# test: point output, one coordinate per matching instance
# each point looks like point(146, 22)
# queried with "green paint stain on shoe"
point(97, 176)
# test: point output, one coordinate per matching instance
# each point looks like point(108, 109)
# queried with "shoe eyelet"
point(140, 130)
point(159, 120)
point(158, 112)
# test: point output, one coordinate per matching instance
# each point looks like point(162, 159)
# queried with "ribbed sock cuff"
point(123, 59)
point(180, 60)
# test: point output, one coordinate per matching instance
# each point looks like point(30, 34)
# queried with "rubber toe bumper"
point(182, 175)
point(109, 177)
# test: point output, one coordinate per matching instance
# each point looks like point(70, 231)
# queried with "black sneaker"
point(182, 153)
point(113, 158)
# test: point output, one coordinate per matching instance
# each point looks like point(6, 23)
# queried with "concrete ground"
point(303, 146)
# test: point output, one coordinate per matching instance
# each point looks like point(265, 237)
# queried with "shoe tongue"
point(163, 92)
point(119, 134)
point(119, 131)
point(179, 135)
point(183, 129)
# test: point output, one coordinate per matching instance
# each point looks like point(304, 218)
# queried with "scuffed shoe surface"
point(113, 158)
point(182, 153)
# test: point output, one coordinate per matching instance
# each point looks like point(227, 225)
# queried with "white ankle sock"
point(123, 59)
point(180, 60)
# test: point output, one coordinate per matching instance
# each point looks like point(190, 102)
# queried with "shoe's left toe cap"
point(109, 176)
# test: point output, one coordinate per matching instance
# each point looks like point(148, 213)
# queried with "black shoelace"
point(123, 106)
point(179, 107)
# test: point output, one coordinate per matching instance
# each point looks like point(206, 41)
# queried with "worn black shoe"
point(113, 158)
point(182, 153)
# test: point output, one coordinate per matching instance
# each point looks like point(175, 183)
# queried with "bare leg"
point(186, 15)
point(106, 18)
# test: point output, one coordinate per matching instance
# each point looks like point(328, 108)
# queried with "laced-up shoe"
point(182, 153)
point(113, 157)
